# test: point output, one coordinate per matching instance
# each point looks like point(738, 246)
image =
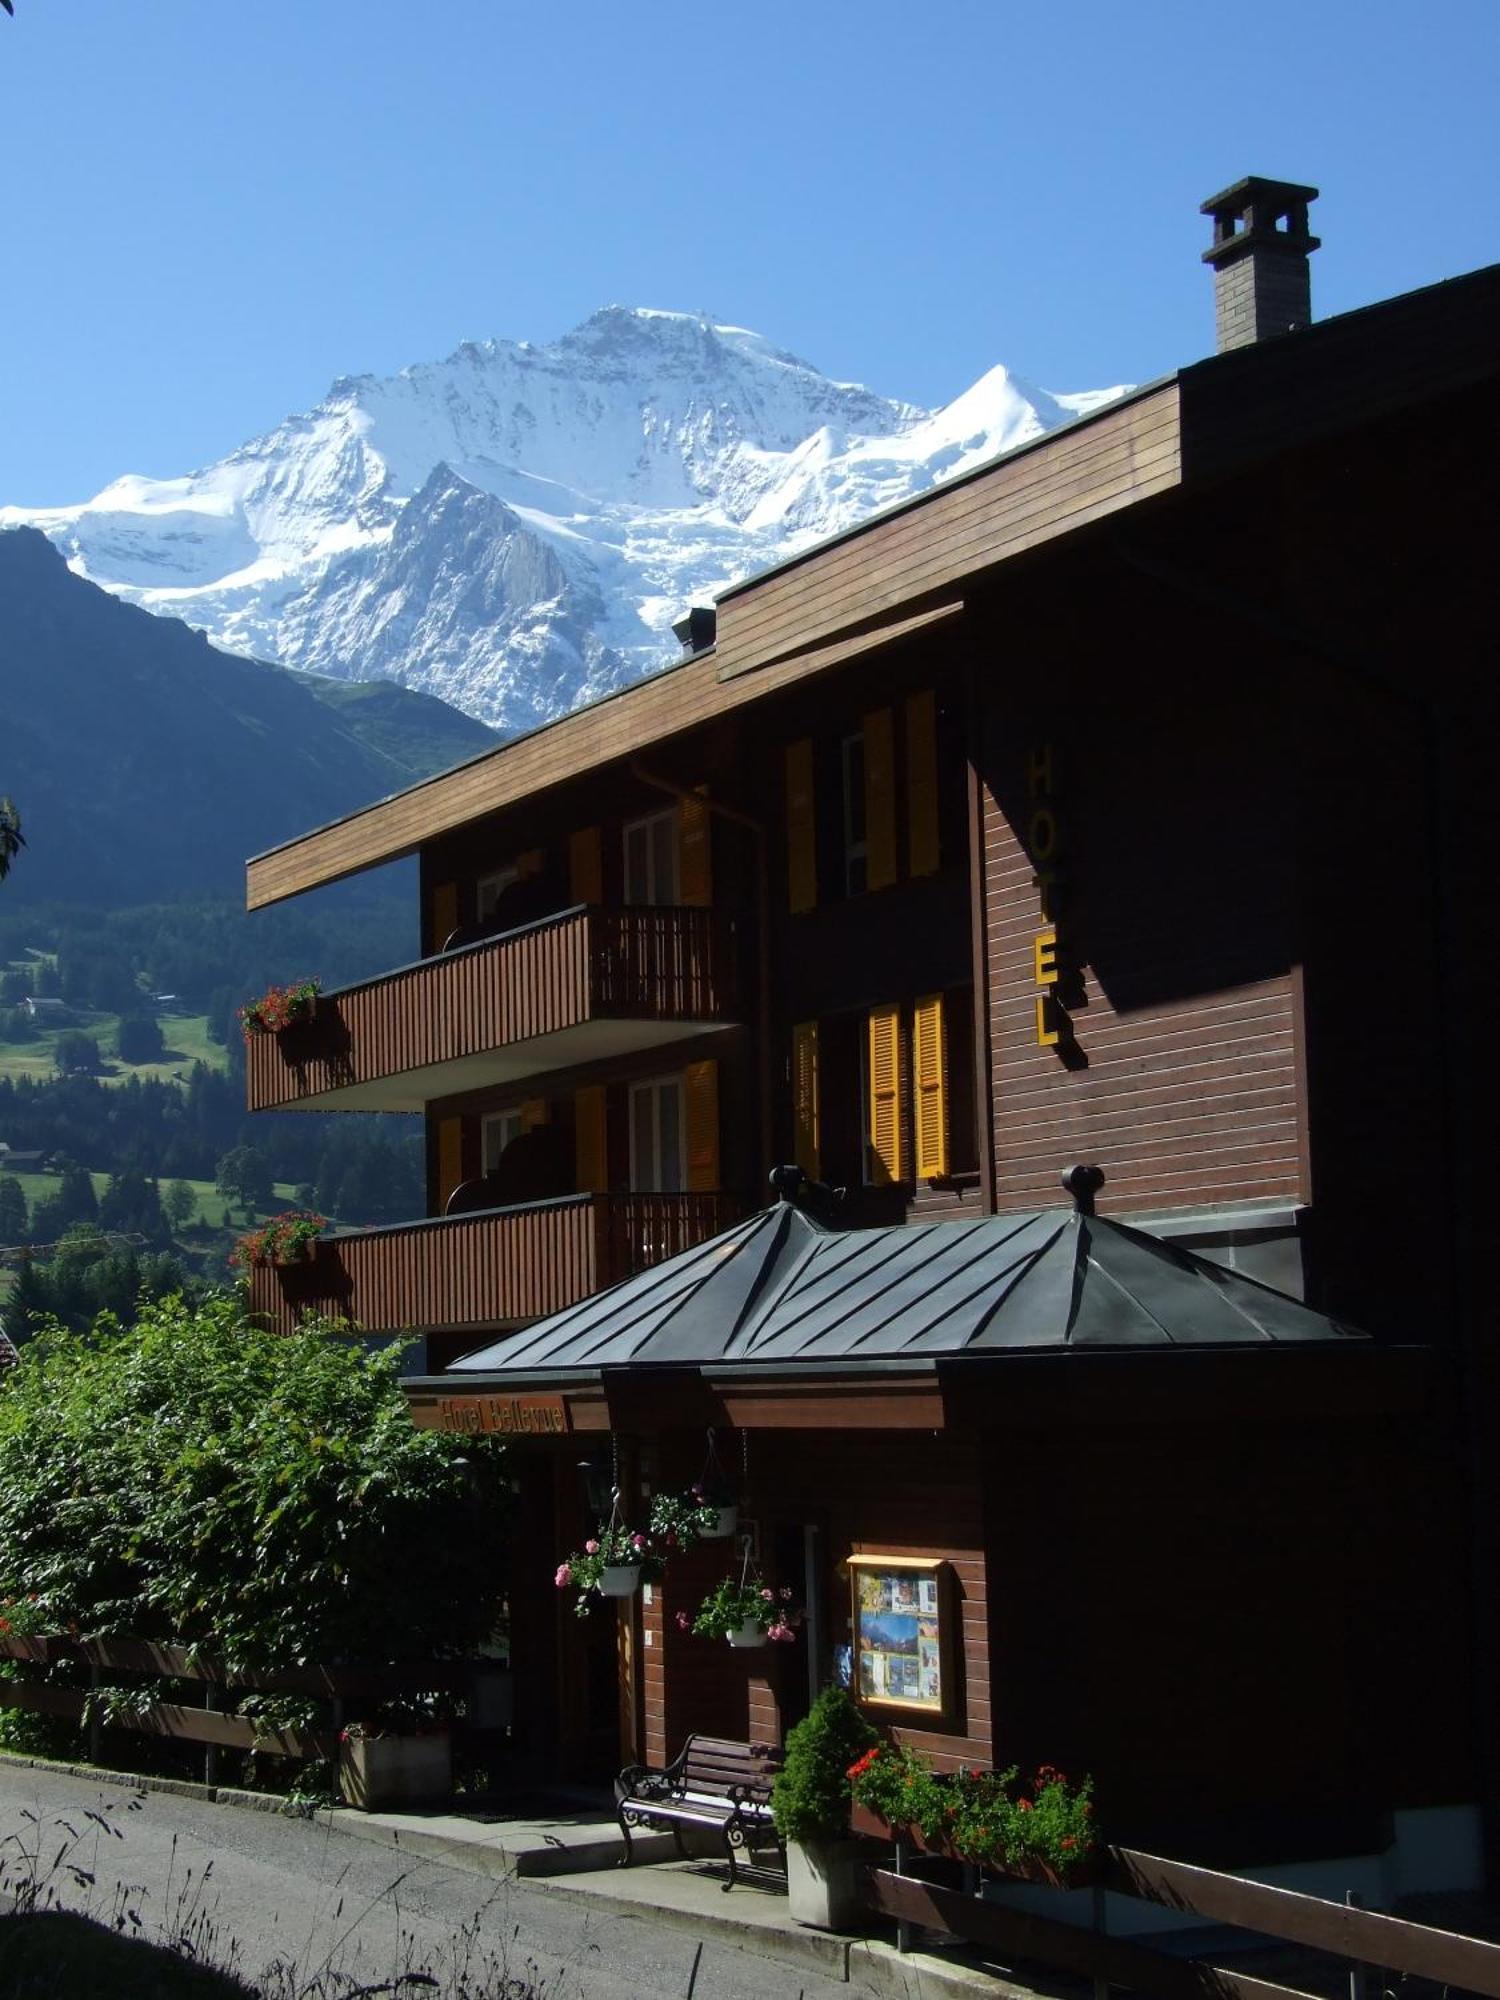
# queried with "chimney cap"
point(696, 629)
point(1247, 215)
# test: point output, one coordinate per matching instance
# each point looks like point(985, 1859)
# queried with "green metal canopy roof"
point(784, 1289)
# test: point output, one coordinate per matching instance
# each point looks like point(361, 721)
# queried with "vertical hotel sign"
point(1043, 844)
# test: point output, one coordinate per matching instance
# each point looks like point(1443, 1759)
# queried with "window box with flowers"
point(280, 1007)
point(379, 1769)
point(1041, 1831)
point(288, 1238)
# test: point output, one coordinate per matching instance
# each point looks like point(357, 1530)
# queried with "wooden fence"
point(208, 1724)
point(1361, 1938)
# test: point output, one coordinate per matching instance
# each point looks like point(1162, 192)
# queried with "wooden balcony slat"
point(507, 1266)
point(586, 965)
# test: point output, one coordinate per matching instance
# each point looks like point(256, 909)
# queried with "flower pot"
point(620, 1580)
point(751, 1633)
point(728, 1521)
point(822, 1884)
point(376, 1772)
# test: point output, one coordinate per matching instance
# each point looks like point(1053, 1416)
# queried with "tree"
point(196, 1478)
point(139, 1039)
point(11, 838)
point(12, 1210)
point(181, 1204)
point(132, 1206)
point(244, 1175)
point(76, 1054)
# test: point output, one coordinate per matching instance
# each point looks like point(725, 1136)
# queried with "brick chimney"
point(1262, 285)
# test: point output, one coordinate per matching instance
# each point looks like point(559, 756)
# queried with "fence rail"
point(208, 1725)
point(1362, 1937)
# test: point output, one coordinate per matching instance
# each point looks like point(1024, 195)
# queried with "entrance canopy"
point(782, 1289)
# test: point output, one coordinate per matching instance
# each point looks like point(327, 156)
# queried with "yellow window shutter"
point(533, 1113)
point(930, 1087)
point(442, 914)
point(695, 870)
point(806, 1148)
point(700, 1090)
point(590, 1139)
point(921, 784)
point(880, 799)
point(450, 1150)
point(885, 1094)
point(585, 866)
point(801, 840)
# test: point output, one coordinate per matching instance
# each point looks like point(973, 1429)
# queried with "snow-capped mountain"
point(514, 529)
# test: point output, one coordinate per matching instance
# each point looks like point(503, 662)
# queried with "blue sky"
point(212, 209)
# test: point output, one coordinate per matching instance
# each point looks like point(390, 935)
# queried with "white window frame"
point(496, 1131)
point(657, 1084)
point(657, 892)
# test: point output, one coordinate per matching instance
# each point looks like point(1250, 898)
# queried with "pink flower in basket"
point(564, 1576)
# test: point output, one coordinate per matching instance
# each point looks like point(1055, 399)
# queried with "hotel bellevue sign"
point(505, 1416)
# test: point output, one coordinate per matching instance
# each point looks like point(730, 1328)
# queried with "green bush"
point(265, 1496)
point(811, 1796)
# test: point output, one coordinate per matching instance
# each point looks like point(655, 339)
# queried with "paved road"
point(266, 1888)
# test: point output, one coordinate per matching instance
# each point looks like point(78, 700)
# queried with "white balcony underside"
point(586, 1042)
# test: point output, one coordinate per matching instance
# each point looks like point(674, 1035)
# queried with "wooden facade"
point(1120, 802)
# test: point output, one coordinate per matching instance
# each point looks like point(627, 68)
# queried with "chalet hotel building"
point(1125, 803)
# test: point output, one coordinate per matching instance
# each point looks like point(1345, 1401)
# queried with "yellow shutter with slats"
point(450, 1158)
point(700, 1090)
point(929, 1087)
point(801, 838)
point(921, 784)
point(590, 1139)
point(533, 1113)
point(695, 868)
point(442, 914)
point(585, 866)
point(880, 799)
point(807, 1149)
point(885, 1094)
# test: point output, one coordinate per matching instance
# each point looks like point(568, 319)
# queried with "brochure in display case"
point(901, 1618)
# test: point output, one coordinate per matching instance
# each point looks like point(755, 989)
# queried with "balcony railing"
point(584, 984)
point(495, 1269)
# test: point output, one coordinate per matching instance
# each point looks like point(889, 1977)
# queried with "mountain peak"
point(514, 527)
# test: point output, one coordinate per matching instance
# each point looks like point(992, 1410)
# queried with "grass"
point(186, 1037)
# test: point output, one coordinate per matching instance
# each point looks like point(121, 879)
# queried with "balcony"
point(496, 1269)
point(584, 985)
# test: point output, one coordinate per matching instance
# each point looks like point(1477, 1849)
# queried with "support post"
point(210, 1750)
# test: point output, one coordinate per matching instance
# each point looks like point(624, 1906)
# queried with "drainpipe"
point(763, 928)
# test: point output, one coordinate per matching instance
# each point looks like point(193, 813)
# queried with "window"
point(651, 859)
point(498, 1130)
point(657, 1165)
point(856, 851)
point(489, 890)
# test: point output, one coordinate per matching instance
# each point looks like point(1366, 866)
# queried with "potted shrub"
point(615, 1562)
point(279, 1007)
point(810, 1804)
point(746, 1612)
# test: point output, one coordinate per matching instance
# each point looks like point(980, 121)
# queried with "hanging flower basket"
point(619, 1580)
point(751, 1633)
point(726, 1520)
point(745, 1610)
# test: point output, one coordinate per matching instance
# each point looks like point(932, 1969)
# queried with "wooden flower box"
point(1042, 1873)
point(379, 1772)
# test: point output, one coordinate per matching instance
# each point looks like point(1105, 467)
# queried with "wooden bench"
point(713, 1783)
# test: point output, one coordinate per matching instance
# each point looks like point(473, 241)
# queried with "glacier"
point(514, 528)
